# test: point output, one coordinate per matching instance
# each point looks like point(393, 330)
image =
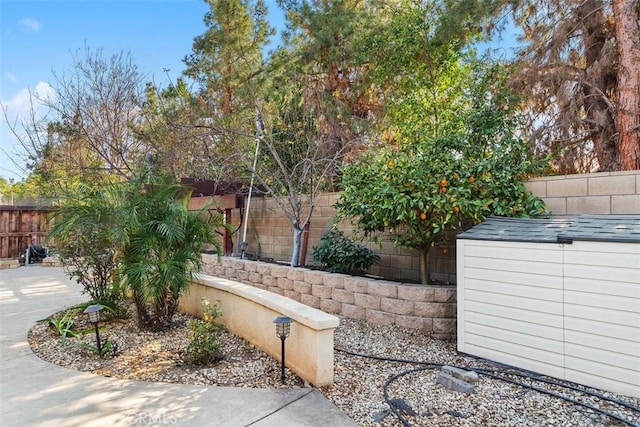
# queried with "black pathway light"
point(283, 327)
point(94, 317)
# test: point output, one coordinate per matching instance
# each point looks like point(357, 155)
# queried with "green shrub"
point(83, 233)
point(339, 254)
point(106, 347)
point(204, 346)
point(162, 245)
point(63, 324)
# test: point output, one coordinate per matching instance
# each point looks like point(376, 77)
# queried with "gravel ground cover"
point(359, 381)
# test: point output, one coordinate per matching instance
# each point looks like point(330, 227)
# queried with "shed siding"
point(602, 283)
point(509, 305)
point(567, 310)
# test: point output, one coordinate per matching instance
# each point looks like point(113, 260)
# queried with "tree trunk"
point(297, 243)
point(144, 318)
point(627, 15)
point(598, 112)
point(424, 265)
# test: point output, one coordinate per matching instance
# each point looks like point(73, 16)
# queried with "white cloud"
point(18, 109)
point(44, 91)
point(20, 105)
point(12, 78)
point(30, 25)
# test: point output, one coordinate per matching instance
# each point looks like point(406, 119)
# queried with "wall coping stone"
point(299, 312)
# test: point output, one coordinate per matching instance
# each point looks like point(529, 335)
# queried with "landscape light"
point(94, 317)
point(283, 327)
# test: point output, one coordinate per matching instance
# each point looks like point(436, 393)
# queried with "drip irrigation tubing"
point(499, 375)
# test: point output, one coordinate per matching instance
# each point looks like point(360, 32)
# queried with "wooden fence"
point(21, 226)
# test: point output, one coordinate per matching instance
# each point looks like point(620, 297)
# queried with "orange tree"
point(444, 167)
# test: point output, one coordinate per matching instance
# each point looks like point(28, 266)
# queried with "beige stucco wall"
point(249, 312)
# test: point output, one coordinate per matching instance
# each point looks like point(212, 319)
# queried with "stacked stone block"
point(431, 309)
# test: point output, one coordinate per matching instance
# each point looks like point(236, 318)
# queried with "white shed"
point(559, 297)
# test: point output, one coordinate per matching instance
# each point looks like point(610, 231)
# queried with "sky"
point(38, 38)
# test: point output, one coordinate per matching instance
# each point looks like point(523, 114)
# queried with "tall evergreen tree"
point(227, 60)
point(323, 43)
point(579, 70)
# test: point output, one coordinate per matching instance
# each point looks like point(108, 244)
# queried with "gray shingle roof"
point(609, 228)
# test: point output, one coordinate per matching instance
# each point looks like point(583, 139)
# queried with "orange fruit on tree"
point(471, 179)
point(423, 216)
point(456, 209)
point(443, 189)
point(443, 182)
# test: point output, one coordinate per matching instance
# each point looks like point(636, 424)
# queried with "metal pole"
point(259, 132)
point(98, 339)
point(246, 209)
point(282, 338)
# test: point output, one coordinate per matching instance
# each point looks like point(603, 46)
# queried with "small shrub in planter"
point(204, 346)
point(337, 253)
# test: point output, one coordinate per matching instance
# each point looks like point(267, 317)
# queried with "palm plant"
point(137, 236)
point(162, 245)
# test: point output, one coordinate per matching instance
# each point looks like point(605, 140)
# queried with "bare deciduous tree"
point(87, 130)
point(97, 101)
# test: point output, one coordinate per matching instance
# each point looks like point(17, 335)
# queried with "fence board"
point(21, 226)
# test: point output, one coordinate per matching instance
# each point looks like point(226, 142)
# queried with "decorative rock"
point(467, 376)
point(454, 384)
point(455, 413)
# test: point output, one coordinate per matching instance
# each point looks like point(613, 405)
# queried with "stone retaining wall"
point(431, 309)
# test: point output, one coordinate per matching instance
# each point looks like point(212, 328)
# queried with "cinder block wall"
point(270, 234)
point(607, 193)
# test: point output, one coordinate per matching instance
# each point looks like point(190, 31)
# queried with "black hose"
point(539, 378)
point(385, 391)
point(497, 374)
point(492, 374)
point(512, 370)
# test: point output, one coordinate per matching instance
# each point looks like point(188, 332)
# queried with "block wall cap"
point(301, 313)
